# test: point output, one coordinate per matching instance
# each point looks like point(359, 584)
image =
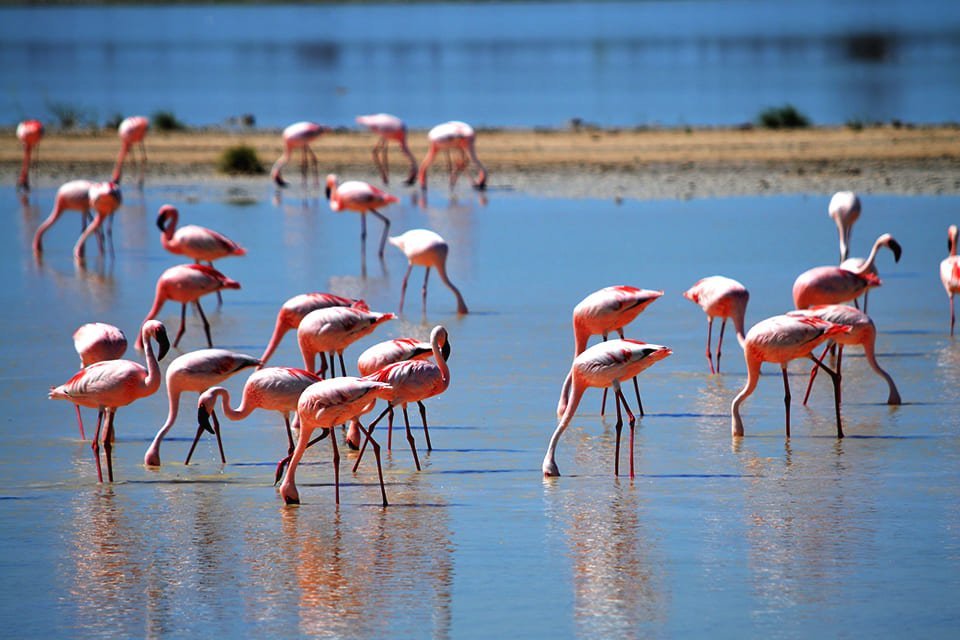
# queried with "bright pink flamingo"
point(844, 208)
point(456, 137)
point(332, 330)
point(605, 364)
point(105, 199)
point(413, 381)
point(195, 371)
point(132, 132)
point(293, 311)
point(323, 405)
point(720, 297)
point(198, 243)
point(950, 271)
point(862, 332)
point(112, 384)
point(29, 132)
point(390, 129)
point(299, 136)
point(425, 248)
point(187, 283)
point(71, 196)
point(781, 339)
point(96, 342)
point(356, 195)
point(270, 388)
point(835, 285)
point(608, 309)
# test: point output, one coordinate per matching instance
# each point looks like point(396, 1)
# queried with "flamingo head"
point(331, 185)
point(205, 408)
point(155, 329)
point(105, 197)
point(167, 212)
point(952, 239)
point(439, 337)
point(893, 245)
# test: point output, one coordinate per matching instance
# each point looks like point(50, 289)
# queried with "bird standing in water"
point(389, 128)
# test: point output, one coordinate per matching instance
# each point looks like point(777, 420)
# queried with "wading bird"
point(950, 271)
point(29, 133)
point(96, 342)
point(356, 195)
point(425, 248)
point(835, 285)
point(389, 128)
point(132, 132)
point(299, 136)
point(332, 330)
point(459, 138)
point(844, 208)
point(720, 297)
point(294, 310)
point(71, 196)
point(105, 199)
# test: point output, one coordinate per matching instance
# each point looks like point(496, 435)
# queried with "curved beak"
point(445, 350)
point(203, 420)
point(160, 220)
point(163, 343)
point(897, 250)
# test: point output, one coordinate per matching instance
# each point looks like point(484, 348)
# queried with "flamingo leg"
point(216, 431)
point(723, 326)
point(376, 159)
point(363, 239)
point(336, 468)
point(343, 367)
point(865, 294)
point(206, 325)
point(426, 431)
point(633, 423)
point(389, 428)
point(619, 428)
point(835, 376)
point(413, 445)
point(386, 230)
point(406, 276)
point(426, 276)
point(143, 160)
point(603, 403)
point(315, 165)
point(373, 425)
point(636, 389)
point(376, 453)
point(283, 463)
point(786, 397)
point(813, 373)
point(386, 163)
point(952, 316)
point(108, 443)
point(286, 421)
point(303, 164)
point(193, 445)
point(709, 338)
point(95, 445)
point(839, 375)
point(80, 422)
point(183, 324)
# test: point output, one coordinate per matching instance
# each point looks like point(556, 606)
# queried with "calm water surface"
point(760, 537)
point(698, 62)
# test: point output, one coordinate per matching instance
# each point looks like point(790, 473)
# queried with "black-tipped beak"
point(160, 220)
point(203, 420)
point(445, 350)
point(897, 250)
point(280, 181)
point(327, 192)
point(163, 344)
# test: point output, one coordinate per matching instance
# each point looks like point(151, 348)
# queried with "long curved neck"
point(240, 412)
point(117, 169)
point(166, 238)
point(738, 324)
point(441, 362)
point(152, 382)
point(753, 375)
point(868, 352)
point(442, 272)
point(565, 394)
point(868, 263)
point(279, 330)
point(953, 244)
point(575, 389)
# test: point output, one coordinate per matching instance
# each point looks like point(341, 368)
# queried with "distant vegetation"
point(166, 121)
point(68, 116)
point(785, 117)
point(240, 159)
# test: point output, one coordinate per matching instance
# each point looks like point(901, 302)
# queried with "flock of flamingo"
point(405, 370)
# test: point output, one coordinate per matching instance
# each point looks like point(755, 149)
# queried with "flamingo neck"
point(753, 375)
point(279, 330)
point(441, 362)
point(893, 396)
point(152, 382)
point(240, 412)
point(442, 272)
point(867, 265)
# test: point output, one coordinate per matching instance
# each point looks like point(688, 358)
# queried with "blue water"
point(760, 538)
point(705, 62)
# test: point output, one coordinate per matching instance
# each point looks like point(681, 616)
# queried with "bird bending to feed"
point(781, 339)
point(111, 384)
point(950, 271)
point(457, 137)
point(105, 199)
point(356, 195)
point(132, 132)
point(844, 208)
point(835, 285)
point(73, 195)
point(323, 405)
point(605, 364)
point(389, 128)
point(427, 249)
point(96, 342)
point(293, 311)
point(862, 332)
point(195, 371)
point(413, 381)
point(197, 243)
point(720, 297)
point(29, 133)
point(186, 283)
point(270, 388)
point(299, 136)
point(332, 330)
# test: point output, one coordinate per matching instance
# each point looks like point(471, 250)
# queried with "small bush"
point(240, 159)
point(113, 122)
point(785, 117)
point(855, 125)
point(68, 116)
point(166, 121)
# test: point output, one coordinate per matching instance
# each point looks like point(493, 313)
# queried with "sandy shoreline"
point(600, 163)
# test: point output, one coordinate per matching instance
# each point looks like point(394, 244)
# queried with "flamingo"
point(105, 199)
point(460, 138)
point(299, 136)
point(323, 405)
point(426, 248)
point(296, 308)
point(195, 371)
point(112, 384)
point(605, 364)
point(950, 271)
point(271, 388)
point(132, 132)
point(356, 195)
point(835, 285)
point(413, 381)
point(781, 339)
point(720, 297)
point(29, 132)
point(199, 243)
point(862, 332)
point(332, 330)
point(73, 195)
point(844, 208)
point(188, 283)
point(389, 128)
point(608, 309)
point(96, 342)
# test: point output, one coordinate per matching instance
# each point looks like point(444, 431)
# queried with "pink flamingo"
point(356, 195)
point(29, 132)
point(186, 283)
point(96, 342)
point(198, 243)
point(781, 339)
point(71, 196)
point(862, 332)
point(844, 208)
point(605, 364)
point(835, 285)
point(608, 309)
point(132, 132)
point(323, 405)
point(112, 384)
point(412, 381)
point(195, 371)
point(425, 248)
point(293, 311)
point(720, 297)
point(458, 137)
point(390, 129)
point(270, 388)
point(105, 199)
point(299, 136)
point(950, 271)
point(332, 330)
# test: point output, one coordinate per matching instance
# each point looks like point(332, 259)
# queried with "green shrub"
point(166, 121)
point(785, 117)
point(240, 159)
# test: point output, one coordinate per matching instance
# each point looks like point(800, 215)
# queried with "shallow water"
point(703, 62)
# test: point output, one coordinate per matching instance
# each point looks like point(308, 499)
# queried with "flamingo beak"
point(327, 192)
point(163, 343)
point(203, 420)
point(445, 350)
point(280, 181)
point(897, 250)
point(160, 220)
